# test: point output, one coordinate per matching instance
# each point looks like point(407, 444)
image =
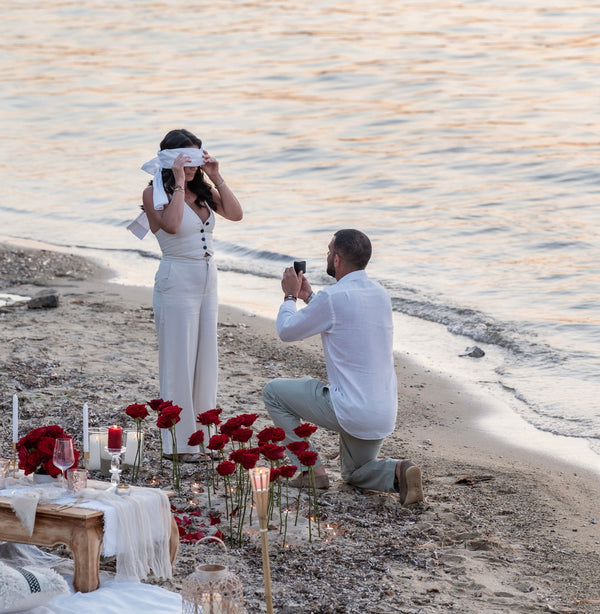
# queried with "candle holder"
point(122, 489)
point(5, 467)
point(115, 465)
point(76, 479)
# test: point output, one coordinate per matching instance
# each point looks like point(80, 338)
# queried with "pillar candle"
point(104, 444)
point(95, 444)
point(86, 439)
point(131, 445)
point(15, 432)
point(115, 438)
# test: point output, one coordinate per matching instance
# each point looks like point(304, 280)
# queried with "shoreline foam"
point(497, 415)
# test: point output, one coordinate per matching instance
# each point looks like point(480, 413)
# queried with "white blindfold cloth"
point(164, 159)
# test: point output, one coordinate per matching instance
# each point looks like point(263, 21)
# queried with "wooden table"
point(80, 529)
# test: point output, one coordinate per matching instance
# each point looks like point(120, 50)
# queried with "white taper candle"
point(86, 437)
point(15, 432)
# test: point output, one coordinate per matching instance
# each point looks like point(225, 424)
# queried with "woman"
point(181, 205)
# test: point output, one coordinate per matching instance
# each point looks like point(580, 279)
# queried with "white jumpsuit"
point(185, 306)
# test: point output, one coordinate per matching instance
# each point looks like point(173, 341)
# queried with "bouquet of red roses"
point(36, 450)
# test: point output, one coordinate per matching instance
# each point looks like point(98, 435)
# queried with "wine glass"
point(64, 456)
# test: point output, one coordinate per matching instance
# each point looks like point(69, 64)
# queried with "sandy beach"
point(503, 529)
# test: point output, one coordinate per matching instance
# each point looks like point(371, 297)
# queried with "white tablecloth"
point(137, 526)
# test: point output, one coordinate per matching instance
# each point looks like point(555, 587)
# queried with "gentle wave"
point(478, 326)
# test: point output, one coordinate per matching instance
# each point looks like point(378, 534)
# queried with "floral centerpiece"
point(36, 450)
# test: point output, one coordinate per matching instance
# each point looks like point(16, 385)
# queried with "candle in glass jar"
point(95, 448)
point(131, 445)
point(115, 438)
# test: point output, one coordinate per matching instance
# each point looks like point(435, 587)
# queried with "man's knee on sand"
point(270, 394)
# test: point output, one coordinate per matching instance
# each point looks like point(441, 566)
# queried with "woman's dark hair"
point(353, 246)
point(184, 138)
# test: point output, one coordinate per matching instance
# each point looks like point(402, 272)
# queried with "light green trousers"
point(290, 402)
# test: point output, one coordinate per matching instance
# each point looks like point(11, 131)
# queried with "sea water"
point(462, 137)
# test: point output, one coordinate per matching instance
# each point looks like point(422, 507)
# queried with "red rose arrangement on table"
point(36, 449)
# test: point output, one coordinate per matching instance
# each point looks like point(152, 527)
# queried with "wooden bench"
point(80, 529)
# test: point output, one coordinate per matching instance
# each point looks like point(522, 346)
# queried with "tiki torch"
point(259, 478)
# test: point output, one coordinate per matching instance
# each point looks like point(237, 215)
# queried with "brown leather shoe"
point(302, 480)
point(410, 482)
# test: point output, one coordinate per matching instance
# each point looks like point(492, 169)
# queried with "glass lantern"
point(212, 589)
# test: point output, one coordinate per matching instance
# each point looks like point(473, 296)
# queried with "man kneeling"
point(354, 319)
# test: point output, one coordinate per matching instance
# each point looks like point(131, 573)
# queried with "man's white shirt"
point(354, 319)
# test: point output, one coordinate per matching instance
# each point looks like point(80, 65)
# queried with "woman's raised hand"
point(210, 166)
point(180, 161)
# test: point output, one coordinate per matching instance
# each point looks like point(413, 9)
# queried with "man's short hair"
point(353, 246)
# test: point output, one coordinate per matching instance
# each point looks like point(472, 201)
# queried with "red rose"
point(155, 404)
point(288, 471)
point(164, 405)
point(242, 434)
point(225, 468)
point(305, 430)
point(136, 411)
point(274, 474)
point(249, 460)
point(217, 442)
point(248, 419)
point(230, 425)
point(196, 438)
point(29, 461)
point(272, 451)
point(236, 455)
point(209, 417)
point(53, 431)
point(271, 433)
point(308, 458)
point(46, 446)
point(169, 416)
point(245, 457)
point(295, 447)
point(50, 468)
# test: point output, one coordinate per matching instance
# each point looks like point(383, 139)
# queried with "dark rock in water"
point(46, 299)
point(473, 352)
